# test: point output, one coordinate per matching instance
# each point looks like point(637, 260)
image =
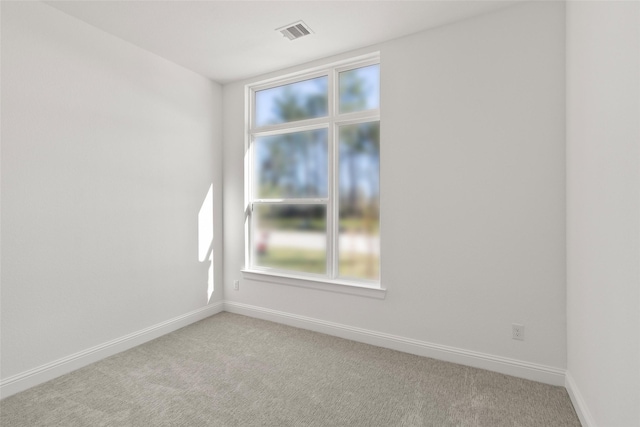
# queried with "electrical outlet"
point(236, 284)
point(517, 331)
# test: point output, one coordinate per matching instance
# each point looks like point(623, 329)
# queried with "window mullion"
point(358, 117)
point(291, 127)
point(301, 201)
point(333, 174)
point(248, 197)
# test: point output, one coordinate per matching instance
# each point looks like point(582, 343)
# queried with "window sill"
point(339, 286)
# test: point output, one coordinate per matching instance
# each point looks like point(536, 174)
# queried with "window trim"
point(322, 284)
point(332, 122)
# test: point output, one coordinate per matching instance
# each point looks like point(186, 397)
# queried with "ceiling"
point(233, 40)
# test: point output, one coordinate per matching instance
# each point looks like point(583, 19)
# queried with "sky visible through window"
point(297, 101)
point(360, 89)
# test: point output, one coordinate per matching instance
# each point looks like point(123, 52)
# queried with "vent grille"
point(295, 30)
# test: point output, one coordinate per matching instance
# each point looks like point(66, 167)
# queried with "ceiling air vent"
point(295, 30)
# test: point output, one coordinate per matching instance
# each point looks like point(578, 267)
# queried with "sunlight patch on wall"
point(210, 278)
point(205, 237)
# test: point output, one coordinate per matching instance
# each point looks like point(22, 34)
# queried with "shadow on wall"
point(205, 237)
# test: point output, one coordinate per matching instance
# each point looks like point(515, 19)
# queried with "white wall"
point(108, 153)
point(603, 211)
point(473, 200)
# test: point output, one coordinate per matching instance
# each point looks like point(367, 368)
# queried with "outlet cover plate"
point(517, 331)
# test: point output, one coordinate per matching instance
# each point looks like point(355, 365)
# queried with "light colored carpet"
point(231, 370)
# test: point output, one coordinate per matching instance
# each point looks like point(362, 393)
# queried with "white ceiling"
point(232, 40)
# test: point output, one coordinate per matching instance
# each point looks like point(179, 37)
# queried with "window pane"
point(297, 101)
point(291, 165)
point(360, 89)
point(290, 237)
point(359, 201)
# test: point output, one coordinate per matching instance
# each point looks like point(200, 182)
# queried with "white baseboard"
point(517, 368)
point(503, 365)
point(586, 419)
point(49, 371)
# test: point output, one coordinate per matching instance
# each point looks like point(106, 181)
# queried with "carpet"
point(232, 370)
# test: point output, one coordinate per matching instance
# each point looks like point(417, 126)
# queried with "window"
point(313, 175)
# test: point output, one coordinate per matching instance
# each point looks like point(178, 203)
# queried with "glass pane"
point(360, 89)
point(290, 237)
point(359, 201)
point(296, 101)
point(291, 165)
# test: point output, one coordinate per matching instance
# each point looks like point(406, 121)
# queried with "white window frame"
point(332, 123)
